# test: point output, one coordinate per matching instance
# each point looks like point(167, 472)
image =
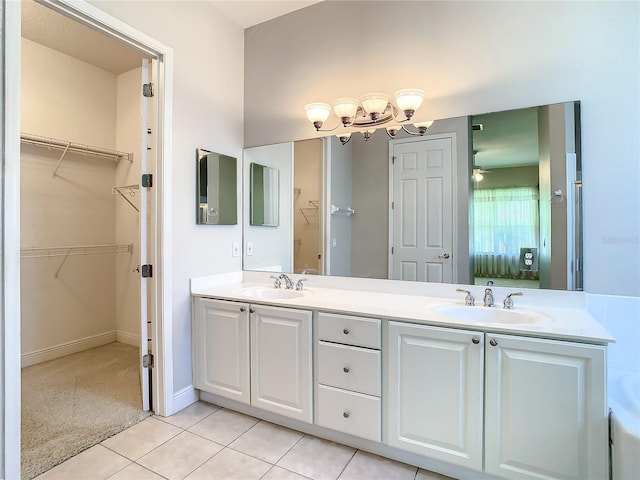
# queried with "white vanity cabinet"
point(435, 392)
point(281, 361)
point(254, 354)
point(545, 410)
point(349, 384)
point(221, 348)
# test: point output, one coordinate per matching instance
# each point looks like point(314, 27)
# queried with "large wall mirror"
point(216, 189)
point(500, 201)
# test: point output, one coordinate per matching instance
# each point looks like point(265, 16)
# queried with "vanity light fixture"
point(372, 110)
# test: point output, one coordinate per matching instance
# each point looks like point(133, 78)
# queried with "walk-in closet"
point(81, 110)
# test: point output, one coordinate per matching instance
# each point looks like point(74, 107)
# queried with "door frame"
point(81, 11)
point(454, 201)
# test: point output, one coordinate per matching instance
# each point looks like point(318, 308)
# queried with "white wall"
point(69, 100)
point(207, 113)
point(472, 58)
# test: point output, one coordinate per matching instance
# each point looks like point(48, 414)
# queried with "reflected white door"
point(422, 210)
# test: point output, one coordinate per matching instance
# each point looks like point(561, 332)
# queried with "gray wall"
point(472, 58)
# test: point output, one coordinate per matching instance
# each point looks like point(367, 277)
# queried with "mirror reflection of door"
point(422, 212)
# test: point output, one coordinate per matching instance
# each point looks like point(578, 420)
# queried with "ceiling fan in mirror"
point(477, 174)
point(371, 111)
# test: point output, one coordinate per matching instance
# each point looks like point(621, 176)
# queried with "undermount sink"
point(490, 314)
point(272, 293)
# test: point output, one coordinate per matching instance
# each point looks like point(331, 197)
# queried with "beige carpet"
point(72, 403)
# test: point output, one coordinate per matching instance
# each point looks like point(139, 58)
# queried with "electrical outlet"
point(235, 249)
point(249, 250)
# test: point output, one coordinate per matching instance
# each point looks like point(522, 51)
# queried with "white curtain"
point(504, 220)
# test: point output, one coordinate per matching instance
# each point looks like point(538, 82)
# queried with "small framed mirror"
point(265, 195)
point(216, 189)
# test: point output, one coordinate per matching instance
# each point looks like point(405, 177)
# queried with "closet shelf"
point(38, 252)
point(127, 190)
point(67, 146)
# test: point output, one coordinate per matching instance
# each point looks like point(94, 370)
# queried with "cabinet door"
point(221, 343)
point(435, 392)
point(545, 414)
point(281, 361)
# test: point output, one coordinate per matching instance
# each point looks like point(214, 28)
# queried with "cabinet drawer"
point(352, 368)
point(363, 332)
point(349, 412)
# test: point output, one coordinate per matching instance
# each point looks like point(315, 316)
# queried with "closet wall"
point(71, 306)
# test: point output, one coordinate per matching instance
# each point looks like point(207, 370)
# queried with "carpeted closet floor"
point(74, 402)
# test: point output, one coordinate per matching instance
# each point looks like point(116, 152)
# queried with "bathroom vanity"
point(467, 391)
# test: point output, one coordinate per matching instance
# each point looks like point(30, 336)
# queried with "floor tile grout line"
point(347, 464)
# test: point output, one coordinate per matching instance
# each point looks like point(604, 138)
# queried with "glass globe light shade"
point(346, 108)
point(374, 103)
point(318, 112)
point(409, 99)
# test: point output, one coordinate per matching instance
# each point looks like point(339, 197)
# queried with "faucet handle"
point(508, 301)
point(277, 282)
point(468, 299)
point(299, 285)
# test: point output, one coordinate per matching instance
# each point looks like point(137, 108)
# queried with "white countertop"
point(569, 321)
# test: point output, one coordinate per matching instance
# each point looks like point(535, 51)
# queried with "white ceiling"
point(52, 29)
point(248, 13)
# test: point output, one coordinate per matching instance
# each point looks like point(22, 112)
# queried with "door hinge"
point(391, 250)
point(393, 160)
point(147, 271)
point(147, 361)
point(147, 89)
point(393, 205)
point(147, 180)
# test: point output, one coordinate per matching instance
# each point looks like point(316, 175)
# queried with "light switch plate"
point(249, 250)
point(235, 249)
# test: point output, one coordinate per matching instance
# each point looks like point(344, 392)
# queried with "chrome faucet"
point(488, 297)
point(299, 285)
point(508, 301)
point(288, 283)
point(468, 299)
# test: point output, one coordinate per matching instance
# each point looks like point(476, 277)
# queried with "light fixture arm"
point(421, 130)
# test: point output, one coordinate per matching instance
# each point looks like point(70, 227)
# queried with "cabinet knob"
point(252, 310)
point(346, 414)
point(345, 331)
point(493, 342)
point(243, 309)
point(345, 369)
point(475, 340)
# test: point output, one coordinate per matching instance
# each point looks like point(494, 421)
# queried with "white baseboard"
point(63, 349)
point(184, 398)
point(128, 338)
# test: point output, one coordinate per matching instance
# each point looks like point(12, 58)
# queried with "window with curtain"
point(504, 220)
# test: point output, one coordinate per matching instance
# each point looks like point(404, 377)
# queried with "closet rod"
point(74, 147)
point(38, 252)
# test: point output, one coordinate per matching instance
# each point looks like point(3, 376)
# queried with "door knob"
point(444, 255)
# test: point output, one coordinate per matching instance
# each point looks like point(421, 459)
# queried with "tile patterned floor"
point(207, 442)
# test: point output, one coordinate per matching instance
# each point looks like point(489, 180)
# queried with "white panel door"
point(221, 348)
point(435, 400)
point(422, 210)
point(281, 361)
point(545, 412)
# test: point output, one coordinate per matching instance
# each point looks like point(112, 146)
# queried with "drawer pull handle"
point(475, 340)
point(493, 342)
point(252, 310)
point(243, 309)
point(345, 369)
point(345, 331)
point(346, 414)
